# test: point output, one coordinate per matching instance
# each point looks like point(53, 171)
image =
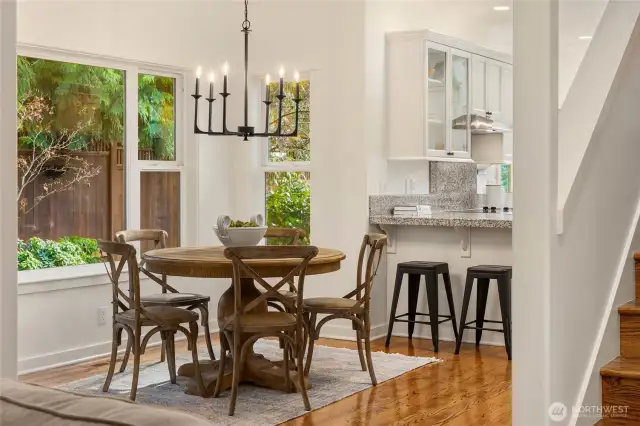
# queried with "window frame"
point(133, 166)
point(282, 166)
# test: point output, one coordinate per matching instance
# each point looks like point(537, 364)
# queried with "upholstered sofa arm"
point(24, 404)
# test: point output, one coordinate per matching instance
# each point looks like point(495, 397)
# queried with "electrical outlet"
point(102, 315)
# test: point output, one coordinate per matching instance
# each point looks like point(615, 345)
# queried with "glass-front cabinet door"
point(460, 131)
point(437, 79)
point(447, 102)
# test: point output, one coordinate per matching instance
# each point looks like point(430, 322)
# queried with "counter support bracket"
point(464, 232)
point(392, 234)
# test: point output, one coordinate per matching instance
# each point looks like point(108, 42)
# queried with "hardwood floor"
point(471, 389)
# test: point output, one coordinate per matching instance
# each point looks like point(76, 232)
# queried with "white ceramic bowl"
point(237, 237)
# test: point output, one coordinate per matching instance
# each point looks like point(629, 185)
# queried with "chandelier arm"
point(295, 130)
point(224, 111)
point(280, 99)
point(196, 129)
point(266, 116)
point(210, 100)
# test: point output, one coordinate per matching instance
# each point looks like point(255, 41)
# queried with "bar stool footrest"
point(467, 325)
point(446, 318)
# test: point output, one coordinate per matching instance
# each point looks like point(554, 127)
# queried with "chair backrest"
point(150, 238)
point(373, 244)
point(154, 239)
point(116, 256)
point(241, 269)
point(292, 236)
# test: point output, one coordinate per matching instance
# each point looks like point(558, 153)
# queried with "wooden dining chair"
point(157, 238)
point(286, 236)
point(354, 306)
point(130, 315)
point(284, 325)
point(289, 237)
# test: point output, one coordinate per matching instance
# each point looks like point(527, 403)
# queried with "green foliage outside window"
point(506, 171)
point(36, 253)
point(288, 194)
point(77, 93)
point(290, 149)
point(288, 201)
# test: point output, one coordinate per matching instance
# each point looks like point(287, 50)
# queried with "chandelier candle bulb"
point(281, 81)
point(211, 77)
point(267, 81)
point(198, 74)
point(297, 85)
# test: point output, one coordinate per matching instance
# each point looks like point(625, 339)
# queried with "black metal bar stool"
point(430, 270)
point(484, 274)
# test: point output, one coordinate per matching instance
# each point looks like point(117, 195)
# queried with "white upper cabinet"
point(433, 85)
point(492, 88)
point(479, 84)
point(437, 80)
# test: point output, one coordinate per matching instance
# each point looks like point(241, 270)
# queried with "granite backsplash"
point(452, 186)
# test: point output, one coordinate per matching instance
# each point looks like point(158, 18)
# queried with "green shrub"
point(36, 253)
point(288, 202)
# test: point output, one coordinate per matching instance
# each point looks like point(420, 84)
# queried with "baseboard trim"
point(448, 339)
point(86, 353)
point(98, 350)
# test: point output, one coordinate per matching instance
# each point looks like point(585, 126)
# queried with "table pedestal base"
point(257, 370)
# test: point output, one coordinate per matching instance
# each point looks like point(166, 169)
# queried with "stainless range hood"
point(478, 124)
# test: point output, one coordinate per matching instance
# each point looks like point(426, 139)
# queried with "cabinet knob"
point(449, 153)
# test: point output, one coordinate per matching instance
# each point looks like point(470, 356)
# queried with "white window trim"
point(281, 166)
point(63, 277)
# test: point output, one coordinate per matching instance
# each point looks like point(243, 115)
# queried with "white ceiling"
point(577, 18)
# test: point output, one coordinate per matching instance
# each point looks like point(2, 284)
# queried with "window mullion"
point(132, 164)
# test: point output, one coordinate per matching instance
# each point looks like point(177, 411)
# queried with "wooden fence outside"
point(97, 210)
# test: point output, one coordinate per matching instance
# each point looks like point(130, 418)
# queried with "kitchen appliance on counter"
point(479, 124)
point(494, 197)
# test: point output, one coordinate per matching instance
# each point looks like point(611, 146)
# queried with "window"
point(156, 121)
point(287, 176)
point(82, 172)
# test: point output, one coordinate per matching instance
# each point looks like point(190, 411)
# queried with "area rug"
point(335, 374)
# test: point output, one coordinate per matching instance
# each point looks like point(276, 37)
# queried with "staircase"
point(621, 377)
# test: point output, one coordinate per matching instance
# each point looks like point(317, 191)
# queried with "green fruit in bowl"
point(241, 224)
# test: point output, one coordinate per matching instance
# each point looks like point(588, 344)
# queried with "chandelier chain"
point(246, 24)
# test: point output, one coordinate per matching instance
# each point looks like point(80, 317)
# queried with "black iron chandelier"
point(245, 131)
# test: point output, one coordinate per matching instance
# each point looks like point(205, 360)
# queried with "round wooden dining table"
point(209, 262)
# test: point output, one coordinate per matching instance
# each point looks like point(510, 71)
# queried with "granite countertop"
point(448, 218)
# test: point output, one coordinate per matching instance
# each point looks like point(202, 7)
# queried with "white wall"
point(594, 247)
point(8, 218)
point(175, 33)
point(535, 194)
point(586, 100)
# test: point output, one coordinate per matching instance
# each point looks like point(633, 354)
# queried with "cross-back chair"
point(157, 239)
point(354, 306)
point(288, 326)
point(130, 315)
point(289, 237)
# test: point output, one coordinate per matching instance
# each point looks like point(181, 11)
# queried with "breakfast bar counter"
point(448, 219)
